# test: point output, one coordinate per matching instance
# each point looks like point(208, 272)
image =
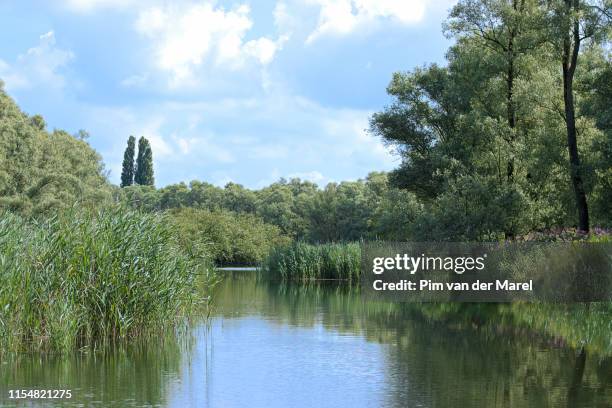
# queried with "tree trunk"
point(571, 47)
point(510, 102)
point(511, 112)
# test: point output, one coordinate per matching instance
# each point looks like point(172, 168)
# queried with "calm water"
point(269, 345)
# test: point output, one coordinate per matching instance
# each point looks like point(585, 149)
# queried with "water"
point(269, 345)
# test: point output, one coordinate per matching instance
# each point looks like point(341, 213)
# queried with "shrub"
point(228, 238)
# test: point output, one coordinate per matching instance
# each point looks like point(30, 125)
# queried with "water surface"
point(272, 345)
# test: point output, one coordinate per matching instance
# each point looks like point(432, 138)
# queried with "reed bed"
point(305, 262)
point(81, 279)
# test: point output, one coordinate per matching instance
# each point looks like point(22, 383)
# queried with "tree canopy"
point(42, 171)
point(493, 144)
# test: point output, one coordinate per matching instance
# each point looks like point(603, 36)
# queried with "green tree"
point(596, 79)
point(481, 139)
point(127, 171)
point(42, 172)
point(509, 29)
point(144, 164)
point(574, 22)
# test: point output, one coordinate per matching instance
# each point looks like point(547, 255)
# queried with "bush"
point(228, 238)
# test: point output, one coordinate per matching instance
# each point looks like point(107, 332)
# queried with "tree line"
point(512, 135)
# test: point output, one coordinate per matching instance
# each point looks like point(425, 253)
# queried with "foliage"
point(351, 210)
point(81, 278)
point(226, 238)
point(42, 172)
point(127, 170)
point(483, 140)
point(144, 164)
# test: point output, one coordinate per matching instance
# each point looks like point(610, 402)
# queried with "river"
point(273, 345)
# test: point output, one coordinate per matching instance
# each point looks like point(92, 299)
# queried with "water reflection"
point(123, 376)
point(273, 345)
point(431, 365)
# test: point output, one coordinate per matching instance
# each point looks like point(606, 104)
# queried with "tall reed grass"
point(85, 278)
point(305, 262)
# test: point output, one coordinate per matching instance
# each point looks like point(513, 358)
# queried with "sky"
point(240, 91)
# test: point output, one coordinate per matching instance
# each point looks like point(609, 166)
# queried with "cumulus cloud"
point(38, 66)
point(345, 16)
point(185, 37)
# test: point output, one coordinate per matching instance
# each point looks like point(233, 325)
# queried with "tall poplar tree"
point(127, 172)
point(144, 163)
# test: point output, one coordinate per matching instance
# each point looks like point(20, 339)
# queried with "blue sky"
point(225, 91)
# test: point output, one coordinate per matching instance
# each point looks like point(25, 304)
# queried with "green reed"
point(305, 262)
point(83, 278)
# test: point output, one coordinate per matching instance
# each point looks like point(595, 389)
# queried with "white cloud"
point(38, 66)
point(205, 146)
point(284, 21)
point(87, 6)
point(185, 37)
point(345, 16)
point(158, 143)
point(263, 49)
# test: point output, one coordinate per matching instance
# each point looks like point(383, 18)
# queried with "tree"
point(483, 139)
point(127, 172)
point(597, 105)
point(508, 29)
point(42, 172)
point(144, 164)
point(574, 22)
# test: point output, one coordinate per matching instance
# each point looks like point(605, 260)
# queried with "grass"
point(80, 279)
point(305, 262)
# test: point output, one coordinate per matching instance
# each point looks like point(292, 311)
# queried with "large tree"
point(573, 23)
point(127, 171)
point(144, 164)
point(509, 29)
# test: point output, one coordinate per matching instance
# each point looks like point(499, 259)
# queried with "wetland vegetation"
point(509, 139)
